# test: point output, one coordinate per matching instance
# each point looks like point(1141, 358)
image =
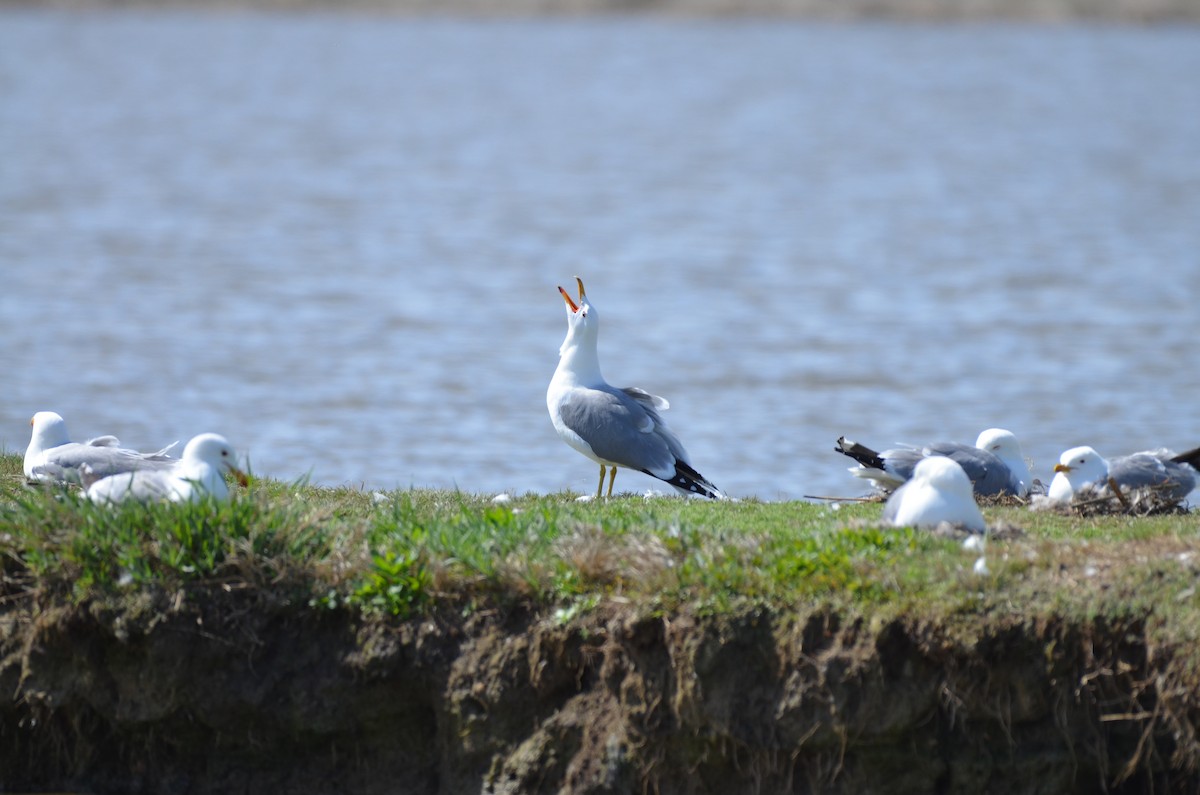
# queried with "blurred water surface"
point(336, 239)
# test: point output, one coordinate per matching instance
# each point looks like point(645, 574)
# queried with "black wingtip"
point(692, 482)
point(860, 453)
point(1191, 457)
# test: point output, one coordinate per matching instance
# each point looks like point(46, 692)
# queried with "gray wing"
point(114, 442)
point(901, 461)
point(987, 473)
point(63, 463)
point(652, 405)
point(1152, 470)
point(622, 428)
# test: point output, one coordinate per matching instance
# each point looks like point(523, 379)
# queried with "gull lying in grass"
point(994, 465)
point(52, 457)
point(201, 471)
point(1154, 480)
point(938, 491)
point(613, 427)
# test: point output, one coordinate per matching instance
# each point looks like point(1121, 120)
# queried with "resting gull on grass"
point(201, 471)
point(938, 491)
point(1156, 480)
point(52, 457)
point(994, 465)
point(613, 427)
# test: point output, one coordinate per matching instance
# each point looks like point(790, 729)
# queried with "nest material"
point(1000, 501)
point(1111, 499)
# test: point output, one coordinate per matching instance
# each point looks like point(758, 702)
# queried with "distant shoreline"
point(1033, 11)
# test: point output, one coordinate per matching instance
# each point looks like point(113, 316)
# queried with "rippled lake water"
point(336, 239)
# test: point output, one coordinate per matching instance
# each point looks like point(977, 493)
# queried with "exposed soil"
point(215, 692)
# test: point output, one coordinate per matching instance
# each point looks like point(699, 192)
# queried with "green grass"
point(404, 552)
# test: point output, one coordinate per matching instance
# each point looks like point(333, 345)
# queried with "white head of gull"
point(1004, 445)
point(1077, 469)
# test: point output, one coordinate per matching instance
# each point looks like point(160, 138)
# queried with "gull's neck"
point(45, 438)
point(1016, 464)
point(199, 474)
point(52, 435)
point(1061, 488)
point(578, 362)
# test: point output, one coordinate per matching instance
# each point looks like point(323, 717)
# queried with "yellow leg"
point(612, 477)
point(600, 488)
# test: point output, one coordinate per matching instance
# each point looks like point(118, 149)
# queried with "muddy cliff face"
point(212, 692)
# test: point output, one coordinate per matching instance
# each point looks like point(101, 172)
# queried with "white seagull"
point(994, 465)
point(52, 457)
point(1159, 474)
point(938, 491)
point(613, 427)
point(200, 471)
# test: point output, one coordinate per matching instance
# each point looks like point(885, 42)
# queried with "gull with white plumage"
point(938, 492)
point(52, 457)
point(994, 464)
point(1161, 476)
point(613, 427)
point(199, 472)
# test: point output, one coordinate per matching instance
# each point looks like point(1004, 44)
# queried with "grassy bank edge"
point(405, 552)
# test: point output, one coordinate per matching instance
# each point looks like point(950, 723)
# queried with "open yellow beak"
point(574, 307)
point(1061, 468)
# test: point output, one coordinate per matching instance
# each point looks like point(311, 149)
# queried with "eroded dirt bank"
point(213, 693)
